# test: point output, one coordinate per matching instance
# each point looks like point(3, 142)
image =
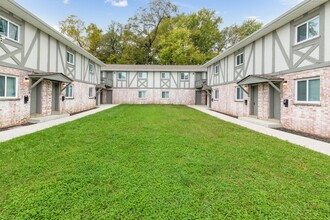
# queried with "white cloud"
point(66, 2)
point(290, 2)
point(117, 3)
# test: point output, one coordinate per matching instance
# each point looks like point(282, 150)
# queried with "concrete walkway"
point(309, 143)
point(24, 130)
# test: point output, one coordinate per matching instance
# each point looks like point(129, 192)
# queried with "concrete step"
point(36, 120)
point(271, 123)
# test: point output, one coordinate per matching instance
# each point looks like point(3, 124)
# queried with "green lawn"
point(159, 162)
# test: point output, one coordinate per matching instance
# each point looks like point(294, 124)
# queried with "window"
point(69, 91)
point(70, 58)
point(216, 69)
point(308, 90)
point(142, 75)
point(91, 92)
point(165, 75)
point(122, 75)
point(184, 76)
point(8, 87)
point(216, 94)
point(308, 30)
point(91, 72)
point(9, 29)
point(239, 59)
point(165, 94)
point(239, 94)
point(142, 94)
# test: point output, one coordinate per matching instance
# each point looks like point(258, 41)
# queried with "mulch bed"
point(315, 137)
point(16, 126)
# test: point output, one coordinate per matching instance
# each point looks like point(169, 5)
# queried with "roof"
point(285, 18)
point(24, 14)
point(254, 79)
point(60, 77)
point(124, 67)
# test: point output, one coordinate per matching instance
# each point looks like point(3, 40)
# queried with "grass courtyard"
point(159, 162)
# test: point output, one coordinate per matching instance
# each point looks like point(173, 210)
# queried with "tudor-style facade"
point(280, 72)
point(154, 84)
point(41, 71)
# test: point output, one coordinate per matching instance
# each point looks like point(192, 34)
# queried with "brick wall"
point(313, 119)
point(14, 111)
point(154, 96)
point(80, 101)
point(227, 103)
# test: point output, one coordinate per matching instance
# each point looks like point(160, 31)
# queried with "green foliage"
point(159, 162)
point(159, 35)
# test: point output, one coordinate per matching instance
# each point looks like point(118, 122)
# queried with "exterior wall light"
point(285, 84)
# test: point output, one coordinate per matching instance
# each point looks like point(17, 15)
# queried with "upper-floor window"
point(8, 86)
point(239, 59)
point(308, 30)
point(122, 75)
point(216, 69)
point(69, 91)
point(165, 75)
point(70, 57)
point(142, 75)
point(9, 29)
point(216, 94)
point(184, 76)
point(239, 94)
point(91, 72)
point(308, 90)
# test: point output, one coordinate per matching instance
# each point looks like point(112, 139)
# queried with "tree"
point(112, 43)
point(145, 23)
point(93, 39)
point(178, 48)
point(74, 28)
point(233, 34)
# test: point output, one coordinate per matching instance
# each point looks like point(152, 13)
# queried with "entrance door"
point(210, 99)
point(56, 97)
point(36, 99)
point(109, 96)
point(198, 98)
point(275, 102)
point(254, 100)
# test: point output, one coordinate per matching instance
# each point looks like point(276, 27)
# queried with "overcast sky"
point(102, 12)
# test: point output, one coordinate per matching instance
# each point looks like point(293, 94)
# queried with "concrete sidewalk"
point(24, 130)
point(309, 143)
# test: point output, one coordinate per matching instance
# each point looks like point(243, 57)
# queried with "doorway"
point(198, 98)
point(55, 97)
point(254, 101)
point(275, 102)
point(36, 98)
point(109, 97)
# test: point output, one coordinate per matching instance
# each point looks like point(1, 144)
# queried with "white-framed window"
point(8, 86)
point(69, 91)
point(308, 30)
point(9, 29)
point(239, 59)
point(165, 94)
point(91, 92)
point(91, 69)
point(308, 90)
point(216, 70)
point(165, 75)
point(122, 75)
point(142, 75)
point(216, 94)
point(185, 76)
point(239, 94)
point(70, 58)
point(142, 94)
